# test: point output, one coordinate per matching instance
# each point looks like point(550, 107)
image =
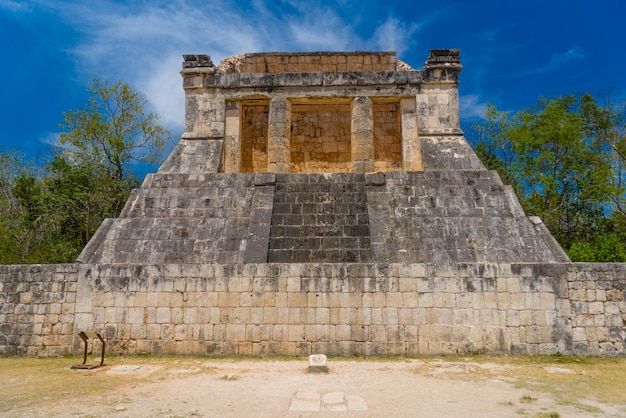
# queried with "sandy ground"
point(271, 388)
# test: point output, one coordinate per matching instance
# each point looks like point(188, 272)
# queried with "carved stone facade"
point(321, 112)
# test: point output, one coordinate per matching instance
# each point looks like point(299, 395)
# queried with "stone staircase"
point(320, 218)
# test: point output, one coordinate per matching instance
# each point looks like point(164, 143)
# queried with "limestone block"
point(405, 316)
point(337, 316)
point(614, 321)
point(390, 315)
point(612, 308)
point(343, 332)
point(294, 315)
point(595, 308)
point(539, 318)
point(235, 332)
point(295, 333)
point(518, 301)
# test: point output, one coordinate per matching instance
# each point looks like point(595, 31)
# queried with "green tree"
point(49, 217)
point(92, 177)
point(606, 125)
point(563, 159)
point(10, 209)
point(113, 130)
point(494, 148)
point(565, 178)
point(78, 197)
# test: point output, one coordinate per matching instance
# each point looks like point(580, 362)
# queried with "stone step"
point(320, 218)
point(218, 181)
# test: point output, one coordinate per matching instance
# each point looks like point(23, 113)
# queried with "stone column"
point(232, 155)
point(438, 101)
point(204, 111)
point(362, 135)
point(278, 136)
point(411, 146)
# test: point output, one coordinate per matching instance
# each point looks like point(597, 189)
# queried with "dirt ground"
point(477, 386)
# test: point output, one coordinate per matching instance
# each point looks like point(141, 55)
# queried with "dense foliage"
point(49, 215)
point(566, 160)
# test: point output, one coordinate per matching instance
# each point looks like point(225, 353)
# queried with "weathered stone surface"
point(319, 218)
point(301, 309)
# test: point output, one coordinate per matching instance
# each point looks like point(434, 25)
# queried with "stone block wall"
point(37, 304)
point(196, 218)
point(387, 137)
point(337, 309)
point(318, 62)
point(596, 294)
point(254, 138)
point(448, 217)
point(298, 309)
point(320, 138)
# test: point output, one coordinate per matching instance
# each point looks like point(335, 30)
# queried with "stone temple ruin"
point(320, 202)
point(322, 158)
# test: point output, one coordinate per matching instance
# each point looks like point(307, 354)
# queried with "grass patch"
point(26, 381)
point(587, 377)
point(581, 406)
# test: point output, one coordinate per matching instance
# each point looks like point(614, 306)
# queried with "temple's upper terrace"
point(321, 111)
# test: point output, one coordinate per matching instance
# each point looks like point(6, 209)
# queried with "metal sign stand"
point(85, 335)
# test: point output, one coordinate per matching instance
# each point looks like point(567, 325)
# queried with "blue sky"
point(512, 52)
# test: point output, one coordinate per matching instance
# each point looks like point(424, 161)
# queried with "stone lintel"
point(440, 132)
point(315, 79)
point(203, 135)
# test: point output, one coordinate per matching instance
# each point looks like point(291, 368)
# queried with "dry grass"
point(584, 383)
point(39, 381)
point(572, 380)
point(32, 381)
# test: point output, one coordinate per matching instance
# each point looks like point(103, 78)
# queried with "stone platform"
point(431, 216)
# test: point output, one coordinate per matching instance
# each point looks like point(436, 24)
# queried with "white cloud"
point(51, 139)
point(15, 6)
point(470, 106)
point(321, 29)
point(142, 42)
point(394, 35)
point(144, 45)
point(163, 90)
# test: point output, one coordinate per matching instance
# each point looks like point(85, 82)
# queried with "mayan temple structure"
point(322, 158)
point(322, 202)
